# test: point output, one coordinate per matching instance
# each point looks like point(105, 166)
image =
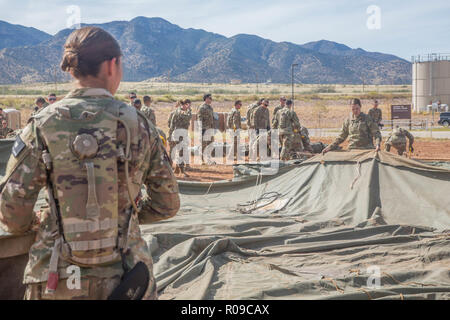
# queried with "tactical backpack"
point(81, 156)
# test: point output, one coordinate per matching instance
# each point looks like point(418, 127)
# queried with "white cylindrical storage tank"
point(431, 81)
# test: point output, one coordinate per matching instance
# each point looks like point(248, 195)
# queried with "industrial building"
point(431, 82)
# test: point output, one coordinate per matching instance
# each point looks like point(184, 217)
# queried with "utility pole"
point(292, 81)
point(257, 84)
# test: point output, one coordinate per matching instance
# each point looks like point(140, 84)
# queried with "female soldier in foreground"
point(92, 153)
point(360, 130)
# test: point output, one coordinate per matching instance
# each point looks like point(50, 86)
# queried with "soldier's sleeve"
point(275, 121)
point(375, 131)
point(297, 125)
point(24, 178)
point(153, 117)
point(200, 114)
point(342, 136)
point(163, 201)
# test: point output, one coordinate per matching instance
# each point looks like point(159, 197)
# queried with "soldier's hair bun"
point(70, 60)
point(85, 50)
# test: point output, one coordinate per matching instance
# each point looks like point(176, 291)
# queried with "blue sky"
point(406, 27)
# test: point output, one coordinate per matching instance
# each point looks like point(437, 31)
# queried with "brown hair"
point(86, 49)
point(355, 101)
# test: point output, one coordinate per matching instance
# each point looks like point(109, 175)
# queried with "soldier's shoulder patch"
point(18, 146)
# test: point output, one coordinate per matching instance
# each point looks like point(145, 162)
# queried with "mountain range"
point(154, 48)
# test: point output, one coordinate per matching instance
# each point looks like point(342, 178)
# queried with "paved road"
point(384, 133)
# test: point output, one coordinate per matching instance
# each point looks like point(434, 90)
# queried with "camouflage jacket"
point(250, 113)
point(26, 175)
point(278, 108)
point(375, 114)
point(399, 135)
point(181, 119)
point(286, 121)
point(234, 119)
point(206, 116)
point(149, 113)
point(360, 131)
point(4, 132)
point(261, 118)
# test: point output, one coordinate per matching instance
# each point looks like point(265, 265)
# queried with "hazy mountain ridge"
point(153, 47)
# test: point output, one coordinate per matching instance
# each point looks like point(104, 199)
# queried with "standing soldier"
point(261, 121)
point(234, 123)
point(397, 139)
point(281, 106)
point(288, 124)
point(250, 112)
point(137, 103)
point(376, 114)
point(93, 191)
point(206, 117)
point(148, 110)
point(4, 130)
point(360, 129)
point(180, 120)
point(132, 96)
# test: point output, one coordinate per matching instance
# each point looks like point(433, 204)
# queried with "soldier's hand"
point(377, 148)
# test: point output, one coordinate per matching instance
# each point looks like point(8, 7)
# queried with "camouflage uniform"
point(4, 132)
point(397, 139)
point(206, 117)
point(234, 123)
point(278, 108)
point(360, 131)
point(26, 174)
point(250, 112)
point(288, 124)
point(149, 113)
point(261, 118)
point(180, 120)
point(376, 115)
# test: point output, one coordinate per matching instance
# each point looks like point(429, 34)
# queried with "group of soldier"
point(361, 129)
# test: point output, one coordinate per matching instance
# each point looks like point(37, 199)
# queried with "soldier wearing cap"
point(206, 117)
point(148, 110)
point(360, 129)
point(376, 114)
